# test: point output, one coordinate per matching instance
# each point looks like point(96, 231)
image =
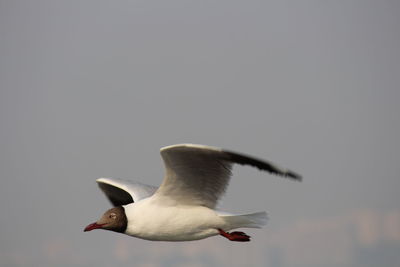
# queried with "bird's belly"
point(175, 224)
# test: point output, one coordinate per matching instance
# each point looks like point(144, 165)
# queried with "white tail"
point(253, 220)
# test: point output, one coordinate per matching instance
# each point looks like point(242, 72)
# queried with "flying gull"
point(183, 207)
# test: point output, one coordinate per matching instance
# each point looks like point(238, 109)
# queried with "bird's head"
point(113, 219)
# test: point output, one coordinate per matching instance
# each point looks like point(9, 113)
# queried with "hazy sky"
point(93, 89)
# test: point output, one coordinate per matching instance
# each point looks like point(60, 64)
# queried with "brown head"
point(114, 220)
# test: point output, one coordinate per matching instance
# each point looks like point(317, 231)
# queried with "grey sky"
point(95, 88)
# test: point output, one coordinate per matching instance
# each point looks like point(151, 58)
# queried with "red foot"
point(235, 236)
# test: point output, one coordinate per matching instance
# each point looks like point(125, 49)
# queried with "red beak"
point(93, 226)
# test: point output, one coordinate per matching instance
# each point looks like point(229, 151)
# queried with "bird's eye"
point(112, 216)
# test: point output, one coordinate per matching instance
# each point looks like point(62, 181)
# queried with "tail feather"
point(253, 220)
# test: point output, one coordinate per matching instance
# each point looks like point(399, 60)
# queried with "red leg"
point(235, 236)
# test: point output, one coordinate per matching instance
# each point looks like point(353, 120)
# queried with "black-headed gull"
point(183, 207)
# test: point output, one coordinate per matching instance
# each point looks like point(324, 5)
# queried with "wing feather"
point(199, 175)
point(122, 192)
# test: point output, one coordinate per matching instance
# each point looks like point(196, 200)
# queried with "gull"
point(183, 207)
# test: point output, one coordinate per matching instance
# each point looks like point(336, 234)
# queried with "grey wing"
point(122, 192)
point(199, 175)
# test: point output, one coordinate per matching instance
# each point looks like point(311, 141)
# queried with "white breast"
point(151, 221)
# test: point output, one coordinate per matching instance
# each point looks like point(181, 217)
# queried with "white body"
point(152, 221)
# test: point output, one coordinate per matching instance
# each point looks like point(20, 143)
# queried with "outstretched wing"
point(199, 175)
point(122, 192)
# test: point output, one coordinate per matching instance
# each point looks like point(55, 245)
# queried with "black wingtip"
point(294, 176)
point(261, 165)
